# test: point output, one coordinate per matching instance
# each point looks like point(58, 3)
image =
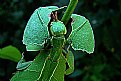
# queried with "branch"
point(69, 11)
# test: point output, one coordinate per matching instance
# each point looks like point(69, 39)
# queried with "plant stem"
point(69, 11)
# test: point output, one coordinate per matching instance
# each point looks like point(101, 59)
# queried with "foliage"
point(103, 65)
point(11, 53)
point(38, 32)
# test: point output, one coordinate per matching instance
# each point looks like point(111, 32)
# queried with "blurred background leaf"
point(105, 17)
point(11, 53)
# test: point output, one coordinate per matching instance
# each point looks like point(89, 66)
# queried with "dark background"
point(105, 17)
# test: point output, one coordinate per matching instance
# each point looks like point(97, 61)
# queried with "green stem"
point(69, 11)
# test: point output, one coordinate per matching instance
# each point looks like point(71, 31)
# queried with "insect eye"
point(58, 28)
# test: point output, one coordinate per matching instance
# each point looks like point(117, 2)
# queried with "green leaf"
point(60, 70)
point(70, 61)
point(34, 70)
point(82, 37)
point(11, 53)
point(54, 71)
point(48, 70)
point(36, 31)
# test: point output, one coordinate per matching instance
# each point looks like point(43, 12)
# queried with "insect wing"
point(81, 37)
point(36, 31)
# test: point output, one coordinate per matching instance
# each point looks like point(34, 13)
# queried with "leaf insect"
point(47, 65)
point(22, 64)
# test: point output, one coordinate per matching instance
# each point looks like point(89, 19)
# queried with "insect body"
point(50, 65)
point(36, 31)
point(22, 64)
point(58, 28)
point(58, 31)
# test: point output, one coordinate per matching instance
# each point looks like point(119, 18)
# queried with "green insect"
point(81, 37)
point(36, 32)
point(22, 64)
point(58, 28)
point(50, 64)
